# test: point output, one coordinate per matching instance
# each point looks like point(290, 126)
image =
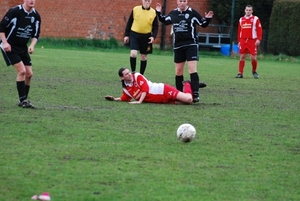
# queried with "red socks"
point(254, 65)
point(187, 87)
point(241, 67)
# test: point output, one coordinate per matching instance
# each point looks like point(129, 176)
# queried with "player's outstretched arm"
point(111, 98)
point(140, 100)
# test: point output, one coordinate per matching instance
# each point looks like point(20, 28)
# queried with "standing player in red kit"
point(137, 88)
point(249, 37)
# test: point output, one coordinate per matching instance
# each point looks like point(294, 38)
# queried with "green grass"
point(77, 146)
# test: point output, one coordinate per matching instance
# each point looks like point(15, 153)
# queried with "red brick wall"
point(93, 18)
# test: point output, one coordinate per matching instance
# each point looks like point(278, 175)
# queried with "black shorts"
point(140, 42)
point(16, 55)
point(186, 53)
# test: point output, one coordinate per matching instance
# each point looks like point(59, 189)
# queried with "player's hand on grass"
point(110, 98)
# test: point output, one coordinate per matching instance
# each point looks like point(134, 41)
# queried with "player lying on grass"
point(137, 89)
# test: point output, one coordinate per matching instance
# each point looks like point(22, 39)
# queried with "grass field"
point(77, 146)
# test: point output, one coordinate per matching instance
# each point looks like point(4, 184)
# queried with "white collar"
point(184, 10)
point(248, 16)
point(129, 83)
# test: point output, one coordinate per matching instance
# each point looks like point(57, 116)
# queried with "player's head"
point(125, 74)
point(146, 3)
point(182, 4)
point(120, 72)
point(29, 4)
point(248, 10)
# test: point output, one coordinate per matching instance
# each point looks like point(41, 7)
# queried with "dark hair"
point(120, 72)
point(249, 6)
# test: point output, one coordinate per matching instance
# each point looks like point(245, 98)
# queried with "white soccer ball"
point(186, 132)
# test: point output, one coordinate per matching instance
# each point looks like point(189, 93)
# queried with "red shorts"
point(169, 95)
point(248, 46)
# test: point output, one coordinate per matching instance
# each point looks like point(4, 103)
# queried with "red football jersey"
point(156, 92)
point(249, 28)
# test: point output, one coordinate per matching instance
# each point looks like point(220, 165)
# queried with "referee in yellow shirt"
point(140, 32)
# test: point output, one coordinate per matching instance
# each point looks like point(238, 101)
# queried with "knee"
point(179, 71)
point(22, 72)
point(29, 74)
point(189, 99)
point(133, 53)
point(143, 57)
point(192, 69)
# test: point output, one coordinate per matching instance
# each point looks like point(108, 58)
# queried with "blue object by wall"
point(225, 49)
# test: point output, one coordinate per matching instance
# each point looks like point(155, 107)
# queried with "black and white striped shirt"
point(19, 25)
point(184, 25)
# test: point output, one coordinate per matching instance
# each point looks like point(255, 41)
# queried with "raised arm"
point(210, 14)
point(204, 21)
point(162, 18)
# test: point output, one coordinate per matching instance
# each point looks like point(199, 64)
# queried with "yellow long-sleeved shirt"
point(143, 20)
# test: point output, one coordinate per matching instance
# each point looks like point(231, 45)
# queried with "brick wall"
point(94, 18)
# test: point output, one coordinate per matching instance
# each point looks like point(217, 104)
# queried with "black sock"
point(195, 82)
point(132, 64)
point(178, 82)
point(27, 87)
point(143, 67)
point(21, 90)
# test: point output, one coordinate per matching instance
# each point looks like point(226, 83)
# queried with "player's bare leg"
point(185, 98)
point(20, 81)
point(21, 71)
